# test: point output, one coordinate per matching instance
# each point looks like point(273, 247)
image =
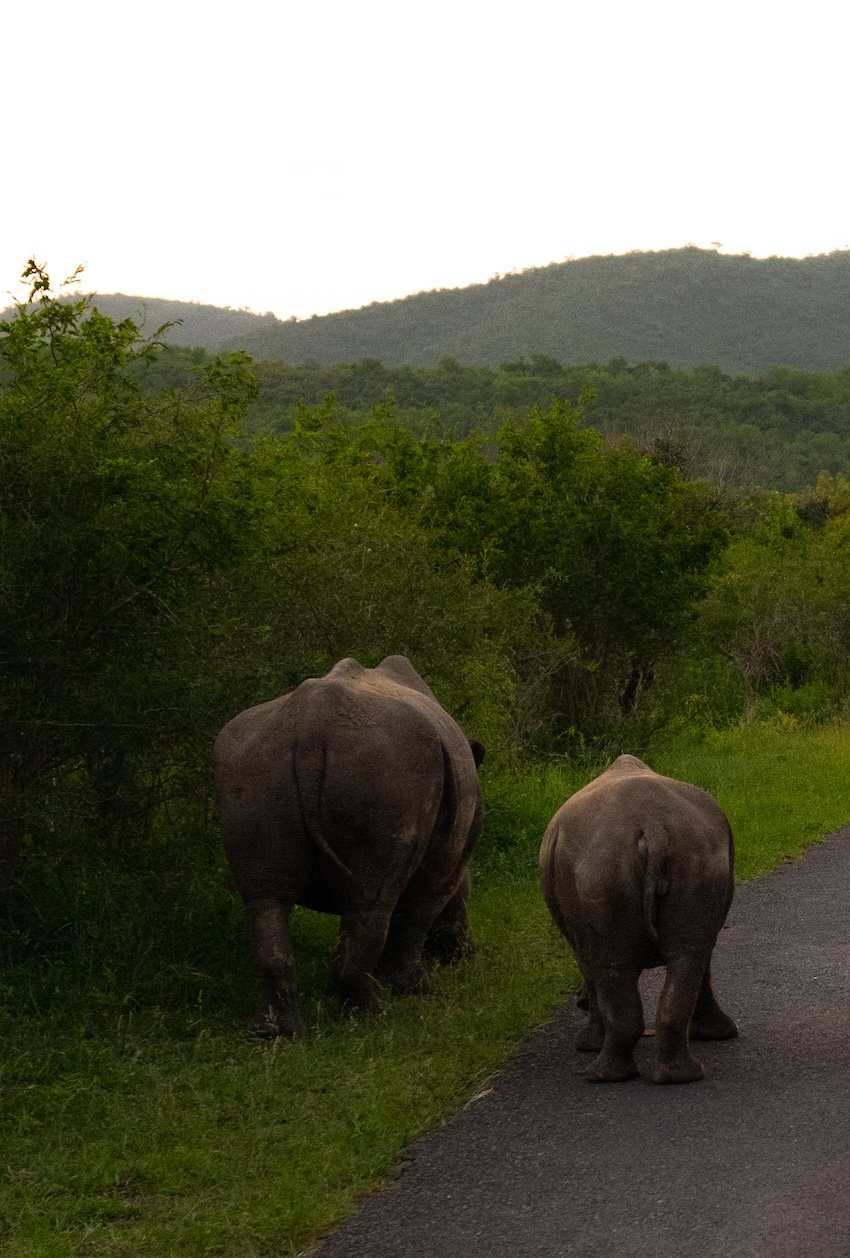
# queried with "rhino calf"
point(356, 794)
point(637, 872)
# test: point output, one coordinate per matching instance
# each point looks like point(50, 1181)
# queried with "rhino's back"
point(349, 698)
point(629, 796)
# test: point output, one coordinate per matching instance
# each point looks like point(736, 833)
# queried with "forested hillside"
point(190, 323)
point(687, 307)
point(778, 430)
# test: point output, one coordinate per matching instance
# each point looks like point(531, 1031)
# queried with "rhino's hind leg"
point(361, 941)
point(591, 1037)
point(709, 1022)
point(676, 1005)
point(277, 1011)
point(621, 1013)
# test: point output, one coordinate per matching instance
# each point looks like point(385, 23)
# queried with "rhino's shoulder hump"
point(400, 670)
point(619, 776)
point(348, 669)
point(622, 779)
point(630, 765)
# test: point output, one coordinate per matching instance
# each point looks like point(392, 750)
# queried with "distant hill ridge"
point(687, 307)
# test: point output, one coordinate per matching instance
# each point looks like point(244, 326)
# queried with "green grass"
point(168, 1131)
point(140, 1139)
point(783, 786)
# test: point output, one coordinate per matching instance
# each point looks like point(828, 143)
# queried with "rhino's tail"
point(309, 766)
point(654, 851)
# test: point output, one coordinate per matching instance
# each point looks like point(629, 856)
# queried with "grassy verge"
point(783, 787)
point(170, 1132)
point(149, 1136)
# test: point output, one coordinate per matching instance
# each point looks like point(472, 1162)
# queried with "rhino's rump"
point(339, 792)
point(369, 788)
point(638, 871)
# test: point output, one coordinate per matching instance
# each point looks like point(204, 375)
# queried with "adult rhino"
point(356, 794)
point(637, 872)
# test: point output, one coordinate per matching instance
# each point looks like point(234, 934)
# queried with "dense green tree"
point(116, 509)
point(778, 431)
point(617, 545)
point(778, 610)
point(613, 546)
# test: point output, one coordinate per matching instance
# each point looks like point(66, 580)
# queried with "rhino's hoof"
point(268, 1026)
point(359, 1001)
point(412, 983)
point(718, 1027)
point(686, 1071)
point(611, 1071)
point(449, 946)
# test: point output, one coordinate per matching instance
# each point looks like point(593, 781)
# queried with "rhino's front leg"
point(277, 1011)
point(675, 1007)
point(449, 938)
point(424, 923)
point(362, 933)
point(402, 962)
point(709, 1022)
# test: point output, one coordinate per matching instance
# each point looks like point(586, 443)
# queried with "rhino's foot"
point(714, 1026)
point(684, 1069)
point(409, 981)
point(611, 1069)
point(271, 1022)
point(449, 946)
point(359, 1000)
point(591, 1037)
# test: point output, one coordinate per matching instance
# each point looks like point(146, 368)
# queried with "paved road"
point(754, 1162)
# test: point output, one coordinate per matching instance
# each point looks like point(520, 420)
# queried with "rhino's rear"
point(638, 866)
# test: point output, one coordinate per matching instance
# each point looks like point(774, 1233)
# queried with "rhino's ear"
point(477, 752)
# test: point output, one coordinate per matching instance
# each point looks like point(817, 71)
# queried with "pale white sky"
point(314, 156)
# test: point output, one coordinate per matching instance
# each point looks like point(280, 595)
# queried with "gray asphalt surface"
point(753, 1161)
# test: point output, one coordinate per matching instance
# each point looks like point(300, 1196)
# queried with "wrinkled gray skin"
point(356, 794)
point(637, 872)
